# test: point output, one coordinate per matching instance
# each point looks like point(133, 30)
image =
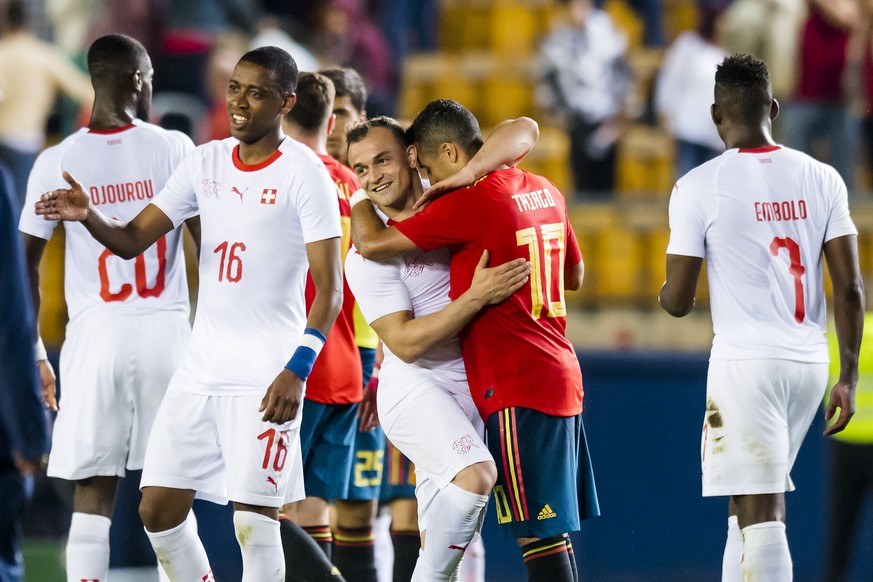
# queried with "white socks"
point(88, 548)
point(765, 553)
point(261, 547)
point(454, 518)
point(181, 553)
point(733, 553)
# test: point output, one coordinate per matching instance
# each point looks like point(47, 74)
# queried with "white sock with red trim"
point(88, 548)
point(454, 518)
point(181, 553)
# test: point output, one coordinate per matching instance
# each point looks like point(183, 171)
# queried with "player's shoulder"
point(339, 171)
point(169, 135)
point(55, 152)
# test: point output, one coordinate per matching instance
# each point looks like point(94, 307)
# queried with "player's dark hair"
point(115, 56)
point(277, 60)
point(348, 83)
point(742, 88)
point(359, 131)
point(445, 121)
point(314, 103)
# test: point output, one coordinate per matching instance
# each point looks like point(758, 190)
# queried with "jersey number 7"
point(795, 269)
point(546, 249)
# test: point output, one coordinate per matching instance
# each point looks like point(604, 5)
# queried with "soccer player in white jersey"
point(424, 401)
point(228, 427)
point(128, 318)
point(762, 216)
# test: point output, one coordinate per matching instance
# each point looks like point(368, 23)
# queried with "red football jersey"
point(336, 377)
point(517, 352)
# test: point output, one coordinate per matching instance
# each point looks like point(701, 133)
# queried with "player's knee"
point(156, 516)
point(478, 478)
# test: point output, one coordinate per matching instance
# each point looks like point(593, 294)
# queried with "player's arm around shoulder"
point(372, 239)
point(841, 254)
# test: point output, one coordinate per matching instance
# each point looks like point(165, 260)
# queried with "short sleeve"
point(178, 199)
point(315, 195)
point(377, 287)
point(448, 222)
point(45, 176)
point(840, 222)
point(687, 222)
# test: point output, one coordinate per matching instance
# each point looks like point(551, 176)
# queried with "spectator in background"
point(32, 75)
point(409, 26)
point(23, 436)
point(851, 462)
point(190, 30)
point(585, 79)
point(771, 30)
point(226, 52)
point(683, 92)
point(819, 110)
point(650, 13)
point(346, 36)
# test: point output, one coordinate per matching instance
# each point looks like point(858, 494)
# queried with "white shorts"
point(436, 425)
point(114, 372)
point(219, 447)
point(757, 414)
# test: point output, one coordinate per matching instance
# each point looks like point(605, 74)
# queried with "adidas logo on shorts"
point(546, 513)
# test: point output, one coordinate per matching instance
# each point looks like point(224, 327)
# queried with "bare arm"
point(193, 225)
point(573, 276)
point(411, 337)
point(127, 240)
point(34, 247)
point(677, 293)
point(372, 238)
point(284, 396)
point(507, 145)
point(842, 259)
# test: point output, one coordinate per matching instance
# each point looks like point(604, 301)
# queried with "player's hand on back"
point(283, 398)
point(367, 412)
point(461, 179)
point(842, 397)
point(494, 284)
point(47, 383)
point(68, 204)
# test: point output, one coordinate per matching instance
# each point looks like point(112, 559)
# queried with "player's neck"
point(748, 137)
point(316, 142)
point(109, 116)
point(258, 151)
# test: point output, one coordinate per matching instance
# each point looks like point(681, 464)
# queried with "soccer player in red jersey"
point(523, 373)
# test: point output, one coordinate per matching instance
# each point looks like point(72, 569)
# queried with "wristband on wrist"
point(39, 350)
point(304, 356)
point(358, 196)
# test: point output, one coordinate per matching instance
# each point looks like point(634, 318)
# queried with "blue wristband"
point(303, 360)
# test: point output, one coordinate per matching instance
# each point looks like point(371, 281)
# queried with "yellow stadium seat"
point(645, 162)
point(53, 307)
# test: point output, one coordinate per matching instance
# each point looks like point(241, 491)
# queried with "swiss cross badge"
point(269, 196)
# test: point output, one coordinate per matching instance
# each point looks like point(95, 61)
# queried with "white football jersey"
point(122, 170)
point(418, 282)
point(760, 219)
point(255, 223)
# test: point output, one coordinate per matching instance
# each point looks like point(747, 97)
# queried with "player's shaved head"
point(742, 89)
point(358, 132)
point(116, 56)
point(314, 105)
point(348, 83)
point(445, 121)
point(282, 64)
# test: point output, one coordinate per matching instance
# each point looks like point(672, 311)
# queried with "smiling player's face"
point(255, 104)
point(380, 161)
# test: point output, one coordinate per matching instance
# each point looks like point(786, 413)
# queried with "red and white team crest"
point(269, 196)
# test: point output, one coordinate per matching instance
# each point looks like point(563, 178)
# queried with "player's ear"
point(331, 123)
point(137, 80)
point(449, 150)
point(412, 156)
point(288, 103)
point(715, 113)
point(774, 110)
